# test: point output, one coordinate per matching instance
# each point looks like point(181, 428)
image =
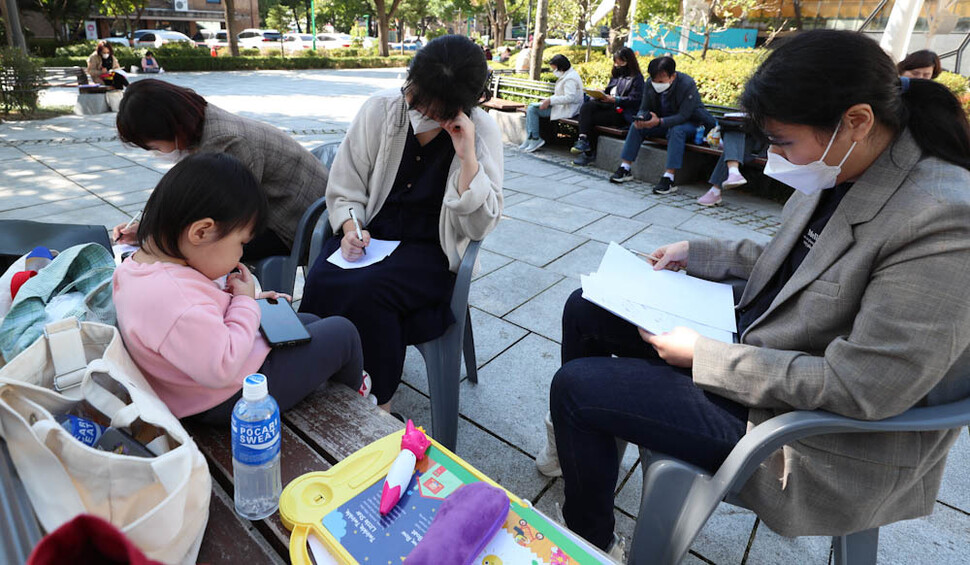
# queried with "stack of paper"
point(658, 301)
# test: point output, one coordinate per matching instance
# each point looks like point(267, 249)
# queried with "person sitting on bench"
point(671, 108)
point(737, 148)
point(565, 102)
point(624, 94)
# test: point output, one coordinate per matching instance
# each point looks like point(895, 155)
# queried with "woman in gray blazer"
point(172, 120)
point(858, 306)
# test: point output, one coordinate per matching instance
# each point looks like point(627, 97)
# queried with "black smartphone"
point(280, 324)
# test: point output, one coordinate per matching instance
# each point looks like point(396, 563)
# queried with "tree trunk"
point(620, 25)
point(11, 18)
point(501, 20)
point(382, 29)
point(707, 41)
point(539, 39)
point(231, 28)
point(798, 13)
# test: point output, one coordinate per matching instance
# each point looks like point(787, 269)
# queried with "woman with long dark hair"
point(421, 165)
point(858, 306)
point(623, 95)
point(102, 65)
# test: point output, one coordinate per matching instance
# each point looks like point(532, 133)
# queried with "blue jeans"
point(532, 115)
point(677, 137)
point(636, 397)
point(737, 147)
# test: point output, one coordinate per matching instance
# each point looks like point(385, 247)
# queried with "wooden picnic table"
point(329, 425)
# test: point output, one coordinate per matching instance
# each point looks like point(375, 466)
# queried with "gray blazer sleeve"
point(912, 326)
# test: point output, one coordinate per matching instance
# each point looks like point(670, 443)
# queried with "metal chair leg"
point(471, 364)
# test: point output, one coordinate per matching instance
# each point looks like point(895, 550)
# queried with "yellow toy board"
point(340, 507)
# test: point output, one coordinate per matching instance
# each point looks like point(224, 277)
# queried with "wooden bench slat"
point(323, 419)
point(231, 539)
point(296, 458)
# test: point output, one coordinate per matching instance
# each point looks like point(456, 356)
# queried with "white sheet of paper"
point(319, 552)
point(605, 295)
point(377, 251)
point(703, 302)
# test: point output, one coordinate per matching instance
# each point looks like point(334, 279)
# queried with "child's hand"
point(272, 294)
point(241, 283)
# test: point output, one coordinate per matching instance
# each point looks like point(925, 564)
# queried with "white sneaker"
point(547, 462)
point(734, 180)
point(535, 144)
point(617, 549)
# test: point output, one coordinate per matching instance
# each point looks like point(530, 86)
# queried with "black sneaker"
point(665, 186)
point(581, 146)
point(621, 175)
point(584, 159)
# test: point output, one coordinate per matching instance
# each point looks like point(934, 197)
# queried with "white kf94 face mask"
point(660, 86)
point(421, 123)
point(807, 179)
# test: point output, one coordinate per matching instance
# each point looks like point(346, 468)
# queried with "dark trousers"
point(294, 372)
point(595, 113)
point(400, 301)
point(634, 396)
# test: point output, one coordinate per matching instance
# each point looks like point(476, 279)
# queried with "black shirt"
point(827, 205)
point(413, 208)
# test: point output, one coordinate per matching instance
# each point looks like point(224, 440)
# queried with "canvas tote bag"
point(161, 503)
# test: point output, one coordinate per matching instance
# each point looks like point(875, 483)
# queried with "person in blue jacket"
point(624, 94)
point(671, 108)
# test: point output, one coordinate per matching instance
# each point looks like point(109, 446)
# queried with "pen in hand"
point(360, 236)
point(128, 225)
point(645, 255)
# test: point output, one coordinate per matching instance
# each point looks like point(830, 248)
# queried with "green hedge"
point(206, 63)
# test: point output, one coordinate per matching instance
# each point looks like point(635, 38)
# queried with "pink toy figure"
point(413, 446)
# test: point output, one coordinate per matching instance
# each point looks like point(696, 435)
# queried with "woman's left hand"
point(676, 347)
point(545, 104)
point(462, 132)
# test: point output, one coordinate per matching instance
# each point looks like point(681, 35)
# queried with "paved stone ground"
point(558, 220)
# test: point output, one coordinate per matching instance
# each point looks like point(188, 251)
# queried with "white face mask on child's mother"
point(421, 123)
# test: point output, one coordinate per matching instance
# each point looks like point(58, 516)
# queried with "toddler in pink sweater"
point(194, 340)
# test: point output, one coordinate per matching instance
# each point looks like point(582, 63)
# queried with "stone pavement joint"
point(108, 138)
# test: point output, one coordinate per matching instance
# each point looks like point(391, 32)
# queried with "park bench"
point(325, 428)
point(65, 77)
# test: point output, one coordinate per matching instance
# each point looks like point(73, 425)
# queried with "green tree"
point(63, 15)
point(130, 10)
point(280, 17)
point(342, 14)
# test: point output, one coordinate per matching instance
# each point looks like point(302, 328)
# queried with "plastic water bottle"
point(256, 451)
point(699, 135)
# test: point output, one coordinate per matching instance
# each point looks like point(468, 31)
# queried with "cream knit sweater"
point(366, 165)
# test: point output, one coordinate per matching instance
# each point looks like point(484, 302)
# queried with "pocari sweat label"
point(256, 443)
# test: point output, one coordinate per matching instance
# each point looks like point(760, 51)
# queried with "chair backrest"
point(326, 152)
point(20, 236)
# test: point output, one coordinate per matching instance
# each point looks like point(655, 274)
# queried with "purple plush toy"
point(466, 521)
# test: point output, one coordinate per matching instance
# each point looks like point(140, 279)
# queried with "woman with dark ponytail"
point(858, 306)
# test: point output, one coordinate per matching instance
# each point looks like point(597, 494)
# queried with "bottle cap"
point(254, 387)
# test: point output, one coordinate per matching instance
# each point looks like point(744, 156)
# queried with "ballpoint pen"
point(360, 236)
point(128, 225)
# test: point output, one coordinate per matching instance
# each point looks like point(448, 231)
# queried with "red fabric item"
point(87, 540)
point(18, 280)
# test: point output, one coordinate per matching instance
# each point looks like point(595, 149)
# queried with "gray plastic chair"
point(442, 356)
point(19, 530)
point(678, 498)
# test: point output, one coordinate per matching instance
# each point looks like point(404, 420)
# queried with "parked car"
point(410, 44)
point(157, 38)
point(116, 40)
point(298, 41)
point(334, 40)
point(211, 38)
point(252, 37)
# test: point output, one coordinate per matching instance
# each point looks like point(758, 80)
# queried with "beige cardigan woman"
point(366, 165)
point(94, 67)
